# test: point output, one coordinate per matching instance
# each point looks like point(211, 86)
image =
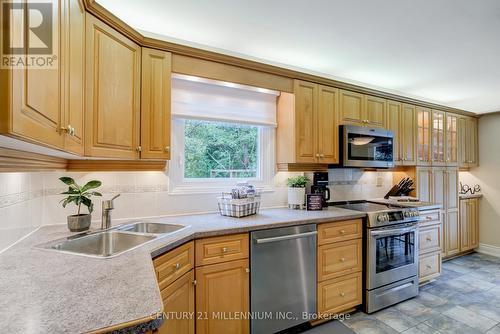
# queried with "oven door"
point(365, 147)
point(392, 254)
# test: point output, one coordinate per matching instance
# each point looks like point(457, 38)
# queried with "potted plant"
point(297, 191)
point(80, 195)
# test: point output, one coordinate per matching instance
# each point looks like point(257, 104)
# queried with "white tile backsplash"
point(356, 184)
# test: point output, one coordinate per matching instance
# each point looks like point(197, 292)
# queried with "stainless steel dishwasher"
point(282, 277)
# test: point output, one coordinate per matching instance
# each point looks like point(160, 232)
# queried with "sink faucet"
point(107, 206)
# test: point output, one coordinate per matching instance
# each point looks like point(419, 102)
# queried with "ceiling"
point(444, 51)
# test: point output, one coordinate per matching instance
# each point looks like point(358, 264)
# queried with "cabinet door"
point(452, 235)
point(36, 93)
point(409, 135)
point(74, 72)
point(376, 111)
point(395, 124)
point(451, 195)
point(351, 108)
point(473, 211)
point(424, 184)
point(327, 125)
point(178, 300)
point(439, 186)
point(451, 143)
point(222, 289)
point(472, 142)
point(465, 239)
point(155, 104)
point(423, 136)
point(305, 121)
point(437, 139)
point(113, 93)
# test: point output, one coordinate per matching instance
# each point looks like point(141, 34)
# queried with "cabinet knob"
point(177, 266)
point(317, 155)
point(69, 130)
point(428, 266)
point(342, 294)
point(194, 282)
point(224, 249)
point(167, 149)
point(342, 231)
point(138, 149)
point(247, 270)
point(342, 259)
point(321, 155)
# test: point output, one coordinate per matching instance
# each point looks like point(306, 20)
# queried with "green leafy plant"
point(297, 181)
point(80, 194)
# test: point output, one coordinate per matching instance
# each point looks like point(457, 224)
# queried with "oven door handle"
point(393, 231)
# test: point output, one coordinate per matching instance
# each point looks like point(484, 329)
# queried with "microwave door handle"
point(385, 233)
point(327, 194)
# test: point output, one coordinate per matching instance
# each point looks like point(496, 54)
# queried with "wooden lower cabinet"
point(452, 235)
point(429, 266)
point(340, 294)
point(222, 291)
point(430, 244)
point(178, 306)
point(469, 224)
point(339, 259)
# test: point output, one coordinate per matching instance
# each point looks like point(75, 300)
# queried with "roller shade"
point(198, 98)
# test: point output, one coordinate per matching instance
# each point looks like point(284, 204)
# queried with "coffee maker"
point(320, 186)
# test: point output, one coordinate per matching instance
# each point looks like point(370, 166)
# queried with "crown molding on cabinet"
point(114, 165)
point(100, 12)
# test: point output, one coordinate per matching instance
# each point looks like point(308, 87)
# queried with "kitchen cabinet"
point(178, 303)
point(469, 224)
point(451, 140)
point(430, 244)
point(308, 125)
point(221, 249)
point(429, 266)
point(437, 138)
point(339, 266)
point(423, 136)
point(155, 104)
point(47, 104)
point(408, 135)
point(468, 139)
point(222, 289)
point(394, 124)
point(452, 235)
point(360, 109)
point(113, 82)
point(424, 183)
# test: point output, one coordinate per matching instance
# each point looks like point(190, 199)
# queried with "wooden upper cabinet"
point(222, 288)
point(113, 70)
point(375, 111)
point(155, 104)
point(423, 136)
point(409, 135)
point(424, 183)
point(467, 139)
point(327, 125)
point(439, 186)
point(437, 138)
point(306, 108)
point(451, 142)
point(74, 85)
point(351, 107)
point(395, 124)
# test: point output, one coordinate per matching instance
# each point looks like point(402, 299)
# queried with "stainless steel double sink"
point(114, 241)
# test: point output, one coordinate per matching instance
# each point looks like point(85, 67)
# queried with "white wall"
point(30, 200)
point(487, 175)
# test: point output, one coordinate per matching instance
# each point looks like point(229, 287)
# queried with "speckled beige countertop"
point(467, 196)
point(44, 291)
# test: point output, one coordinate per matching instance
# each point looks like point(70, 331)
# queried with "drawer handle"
point(428, 217)
point(177, 266)
point(342, 231)
point(247, 270)
point(429, 239)
point(224, 249)
point(342, 294)
point(428, 266)
point(342, 259)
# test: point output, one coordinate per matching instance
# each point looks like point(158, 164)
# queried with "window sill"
point(182, 190)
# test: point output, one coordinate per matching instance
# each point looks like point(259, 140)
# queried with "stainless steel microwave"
point(366, 147)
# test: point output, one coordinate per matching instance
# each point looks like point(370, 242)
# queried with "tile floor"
point(465, 299)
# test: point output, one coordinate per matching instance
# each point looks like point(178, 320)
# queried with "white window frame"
point(265, 172)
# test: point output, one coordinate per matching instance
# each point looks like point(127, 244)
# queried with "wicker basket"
point(238, 207)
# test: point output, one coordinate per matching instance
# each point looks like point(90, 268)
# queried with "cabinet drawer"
point(174, 264)
point(429, 239)
point(339, 259)
point(221, 249)
point(339, 231)
point(339, 294)
point(429, 266)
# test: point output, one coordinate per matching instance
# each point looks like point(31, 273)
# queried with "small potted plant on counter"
point(297, 191)
point(80, 195)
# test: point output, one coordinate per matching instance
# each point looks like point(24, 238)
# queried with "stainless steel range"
point(391, 247)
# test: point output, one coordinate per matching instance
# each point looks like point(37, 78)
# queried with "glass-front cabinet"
point(438, 140)
point(424, 136)
point(451, 144)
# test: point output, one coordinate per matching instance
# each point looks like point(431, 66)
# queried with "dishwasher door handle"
point(286, 237)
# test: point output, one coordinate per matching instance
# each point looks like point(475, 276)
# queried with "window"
point(220, 150)
point(221, 135)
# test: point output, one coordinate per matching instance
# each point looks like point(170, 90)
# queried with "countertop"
point(44, 291)
point(467, 196)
